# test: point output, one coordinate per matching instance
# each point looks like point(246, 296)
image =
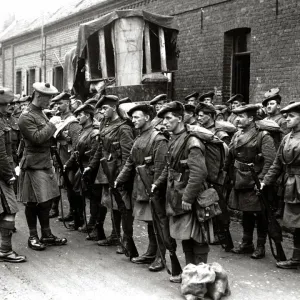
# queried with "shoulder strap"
point(150, 143)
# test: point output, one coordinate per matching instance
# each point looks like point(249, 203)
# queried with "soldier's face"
point(192, 101)
point(243, 121)
point(272, 107)
point(236, 104)
point(44, 101)
point(139, 119)
point(159, 105)
point(187, 115)
point(63, 105)
point(293, 120)
point(82, 118)
point(107, 111)
point(171, 122)
point(203, 118)
point(207, 100)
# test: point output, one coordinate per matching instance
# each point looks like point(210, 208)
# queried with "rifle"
point(274, 229)
point(65, 177)
point(114, 192)
point(141, 170)
point(83, 187)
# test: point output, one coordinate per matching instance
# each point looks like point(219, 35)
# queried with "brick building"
point(227, 45)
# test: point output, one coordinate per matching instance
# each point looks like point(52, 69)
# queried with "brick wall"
point(205, 61)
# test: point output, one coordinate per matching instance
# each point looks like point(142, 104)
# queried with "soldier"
point(37, 184)
point(8, 205)
point(235, 101)
point(247, 146)
point(185, 178)
point(67, 137)
point(287, 161)
point(158, 103)
point(272, 105)
point(22, 103)
point(206, 118)
point(189, 114)
point(149, 149)
point(192, 99)
point(207, 98)
point(84, 149)
point(116, 140)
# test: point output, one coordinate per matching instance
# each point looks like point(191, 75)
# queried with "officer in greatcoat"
point(287, 162)
point(37, 184)
point(8, 203)
point(185, 178)
point(249, 145)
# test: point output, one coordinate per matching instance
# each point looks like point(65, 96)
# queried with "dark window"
point(58, 75)
point(31, 81)
point(236, 68)
point(19, 82)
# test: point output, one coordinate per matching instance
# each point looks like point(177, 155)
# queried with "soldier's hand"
point(153, 188)
point(186, 206)
point(65, 167)
point(116, 184)
point(11, 181)
point(262, 185)
point(86, 171)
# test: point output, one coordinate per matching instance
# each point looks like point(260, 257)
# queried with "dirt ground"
point(83, 270)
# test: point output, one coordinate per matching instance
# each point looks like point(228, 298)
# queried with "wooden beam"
point(102, 54)
point(87, 73)
point(147, 49)
point(162, 46)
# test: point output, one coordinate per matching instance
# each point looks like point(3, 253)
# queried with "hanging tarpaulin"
point(69, 69)
point(128, 44)
point(89, 28)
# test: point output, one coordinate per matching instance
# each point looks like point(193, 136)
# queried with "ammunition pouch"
point(242, 176)
point(207, 206)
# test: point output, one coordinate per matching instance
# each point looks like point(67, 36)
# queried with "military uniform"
point(83, 151)
point(8, 203)
point(149, 148)
point(249, 146)
point(185, 179)
point(287, 162)
point(116, 140)
point(37, 184)
point(232, 117)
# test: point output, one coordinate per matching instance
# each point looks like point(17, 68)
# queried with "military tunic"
point(116, 140)
point(141, 149)
point(8, 203)
point(244, 149)
point(37, 179)
point(184, 180)
point(287, 161)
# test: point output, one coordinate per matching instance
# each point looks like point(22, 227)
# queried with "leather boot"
point(149, 256)
point(259, 252)
point(244, 248)
point(175, 265)
point(289, 264)
point(35, 244)
point(54, 212)
point(52, 240)
point(157, 265)
point(97, 233)
point(86, 227)
point(12, 257)
point(68, 218)
point(189, 257)
point(226, 240)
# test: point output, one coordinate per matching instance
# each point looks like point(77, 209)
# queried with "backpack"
point(216, 152)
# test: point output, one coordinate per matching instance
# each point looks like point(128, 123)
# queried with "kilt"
point(142, 211)
point(38, 185)
point(8, 199)
point(291, 215)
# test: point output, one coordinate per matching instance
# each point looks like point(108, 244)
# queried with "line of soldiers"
point(152, 164)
